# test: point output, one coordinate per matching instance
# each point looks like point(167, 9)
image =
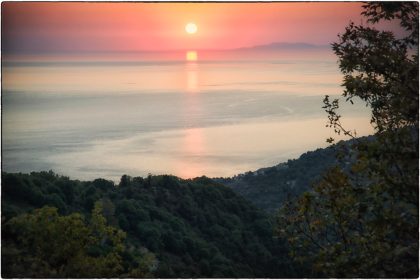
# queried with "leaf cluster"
point(44, 244)
point(363, 222)
point(173, 227)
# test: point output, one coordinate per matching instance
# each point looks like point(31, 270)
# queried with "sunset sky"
point(61, 26)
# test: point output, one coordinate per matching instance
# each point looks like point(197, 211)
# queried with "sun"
point(191, 28)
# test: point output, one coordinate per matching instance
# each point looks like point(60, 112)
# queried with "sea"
point(185, 113)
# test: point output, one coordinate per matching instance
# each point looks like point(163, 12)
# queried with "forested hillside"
point(174, 228)
point(269, 187)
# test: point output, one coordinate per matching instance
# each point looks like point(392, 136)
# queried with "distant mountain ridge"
point(285, 46)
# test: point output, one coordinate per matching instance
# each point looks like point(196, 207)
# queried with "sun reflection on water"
point(193, 147)
point(191, 56)
point(191, 71)
point(191, 81)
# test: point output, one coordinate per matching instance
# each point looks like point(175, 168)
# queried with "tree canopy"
point(363, 222)
point(44, 244)
point(158, 226)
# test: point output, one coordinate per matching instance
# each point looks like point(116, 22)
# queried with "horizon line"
point(268, 46)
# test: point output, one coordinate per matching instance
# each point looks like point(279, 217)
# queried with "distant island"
point(285, 46)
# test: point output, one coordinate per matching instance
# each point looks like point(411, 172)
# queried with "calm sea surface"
point(186, 113)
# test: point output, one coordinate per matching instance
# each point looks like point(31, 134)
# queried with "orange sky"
point(62, 26)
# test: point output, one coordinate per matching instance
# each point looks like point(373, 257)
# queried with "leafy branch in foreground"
point(362, 221)
point(44, 244)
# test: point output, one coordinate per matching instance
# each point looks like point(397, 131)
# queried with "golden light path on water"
point(193, 144)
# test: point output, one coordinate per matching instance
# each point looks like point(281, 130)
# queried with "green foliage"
point(175, 229)
point(363, 222)
point(269, 188)
point(187, 221)
point(380, 69)
point(44, 244)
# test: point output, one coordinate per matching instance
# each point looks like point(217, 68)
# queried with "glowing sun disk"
point(191, 28)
